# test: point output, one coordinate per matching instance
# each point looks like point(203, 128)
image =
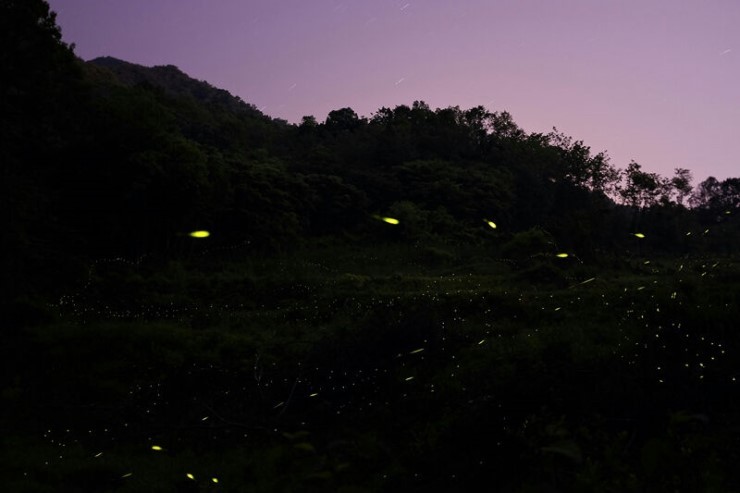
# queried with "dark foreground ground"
point(378, 369)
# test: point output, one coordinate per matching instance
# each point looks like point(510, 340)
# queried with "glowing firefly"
point(200, 234)
point(389, 220)
point(190, 476)
point(157, 448)
point(490, 223)
point(639, 235)
point(562, 255)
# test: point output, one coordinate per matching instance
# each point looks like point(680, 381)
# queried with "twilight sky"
point(656, 81)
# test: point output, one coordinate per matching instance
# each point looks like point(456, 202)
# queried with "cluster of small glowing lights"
point(200, 234)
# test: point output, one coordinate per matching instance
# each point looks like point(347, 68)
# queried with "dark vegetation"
point(588, 342)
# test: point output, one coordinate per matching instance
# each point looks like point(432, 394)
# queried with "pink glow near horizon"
point(651, 80)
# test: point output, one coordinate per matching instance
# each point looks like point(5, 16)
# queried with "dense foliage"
point(108, 157)
point(418, 299)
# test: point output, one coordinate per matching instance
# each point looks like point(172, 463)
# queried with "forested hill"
point(112, 158)
point(175, 83)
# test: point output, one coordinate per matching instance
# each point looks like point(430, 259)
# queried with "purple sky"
point(656, 81)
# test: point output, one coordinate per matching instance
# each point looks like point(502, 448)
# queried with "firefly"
point(190, 476)
point(157, 448)
point(639, 235)
point(490, 223)
point(200, 234)
point(562, 255)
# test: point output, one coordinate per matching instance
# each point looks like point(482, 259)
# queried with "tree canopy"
point(108, 157)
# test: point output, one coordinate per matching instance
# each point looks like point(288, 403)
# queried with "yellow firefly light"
point(200, 234)
point(389, 220)
point(190, 476)
point(639, 235)
point(562, 255)
point(157, 448)
point(215, 480)
point(490, 223)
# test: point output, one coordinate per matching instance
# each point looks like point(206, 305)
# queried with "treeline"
point(110, 158)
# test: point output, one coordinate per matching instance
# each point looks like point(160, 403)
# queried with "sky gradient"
point(655, 81)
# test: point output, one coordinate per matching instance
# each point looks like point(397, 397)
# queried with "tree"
point(716, 196)
point(642, 189)
point(706, 195)
point(681, 184)
point(344, 119)
point(308, 122)
point(40, 88)
point(579, 167)
point(502, 125)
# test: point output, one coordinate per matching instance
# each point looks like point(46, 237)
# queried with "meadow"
point(353, 367)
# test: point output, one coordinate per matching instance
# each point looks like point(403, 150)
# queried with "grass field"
point(385, 368)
